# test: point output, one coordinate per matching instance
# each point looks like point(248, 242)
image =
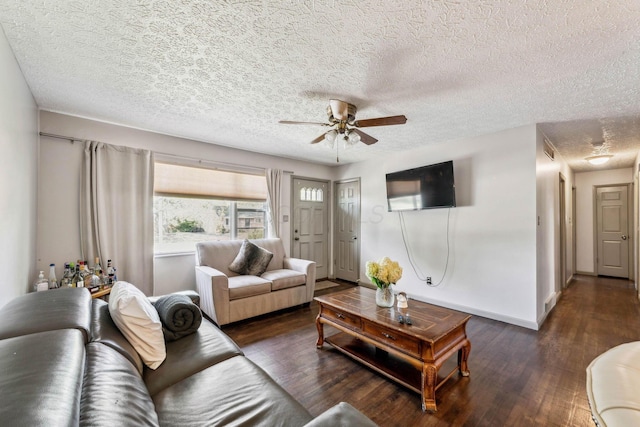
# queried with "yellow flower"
point(372, 269)
point(384, 272)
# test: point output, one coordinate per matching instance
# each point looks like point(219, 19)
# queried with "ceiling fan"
point(342, 120)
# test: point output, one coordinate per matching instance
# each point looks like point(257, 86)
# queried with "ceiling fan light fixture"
point(599, 159)
point(353, 138)
point(342, 118)
point(331, 137)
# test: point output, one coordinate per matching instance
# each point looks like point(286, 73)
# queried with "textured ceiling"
point(225, 72)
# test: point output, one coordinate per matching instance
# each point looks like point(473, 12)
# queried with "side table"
point(102, 293)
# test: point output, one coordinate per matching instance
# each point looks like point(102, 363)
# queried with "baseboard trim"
point(549, 304)
point(366, 285)
point(471, 310)
point(586, 273)
point(482, 313)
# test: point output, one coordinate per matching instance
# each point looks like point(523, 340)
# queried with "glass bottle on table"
point(94, 281)
point(84, 270)
point(53, 281)
point(111, 274)
point(72, 273)
point(66, 276)
point(41, 284)
point(77, 280)
point(97, 268)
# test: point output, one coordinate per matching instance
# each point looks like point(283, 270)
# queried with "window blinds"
point(188, 181)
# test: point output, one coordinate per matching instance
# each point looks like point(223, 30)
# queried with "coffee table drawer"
point(393, 338)
point(341, 317)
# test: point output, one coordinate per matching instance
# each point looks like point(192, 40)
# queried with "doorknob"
point(355, 238)
point(296, 238)
point(624, 237)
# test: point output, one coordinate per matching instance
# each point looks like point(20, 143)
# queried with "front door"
point(347, 230)
point(311, 223)
point(612, 231)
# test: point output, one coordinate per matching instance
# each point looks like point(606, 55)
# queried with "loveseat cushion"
point(41, 378)
point(113, 393)
point(47, 311)
point(232, 392)
point(105, 331)
point(190, 354)
point(283, 279)
point(251, 259)
point(219, 254)
point(247, 286)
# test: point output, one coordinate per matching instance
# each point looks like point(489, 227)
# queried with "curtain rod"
point(195, 159)
point(51, 135)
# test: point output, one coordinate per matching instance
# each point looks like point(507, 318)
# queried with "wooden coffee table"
point(411, 355)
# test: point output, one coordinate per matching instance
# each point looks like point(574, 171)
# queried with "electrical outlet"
point(428, 280)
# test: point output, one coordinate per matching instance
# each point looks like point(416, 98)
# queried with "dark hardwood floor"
point(519, 377)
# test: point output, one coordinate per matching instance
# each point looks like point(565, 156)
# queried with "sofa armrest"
point(213, 287)
point(341, 415)
point(308, 268)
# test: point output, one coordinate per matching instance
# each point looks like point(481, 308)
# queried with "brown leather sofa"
point(64, 362)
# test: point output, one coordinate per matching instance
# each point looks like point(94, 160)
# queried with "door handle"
point(355, 238)
point(624, 237)
point(296, 238)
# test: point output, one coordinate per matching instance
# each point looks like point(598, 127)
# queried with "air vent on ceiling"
point(548, 149)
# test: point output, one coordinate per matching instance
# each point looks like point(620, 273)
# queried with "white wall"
point(58, 237)
point(18, 178)
point(549, 278)
point(492, 265)
point(585, 182)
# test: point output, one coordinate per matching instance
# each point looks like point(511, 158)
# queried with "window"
point(311, 194)
point(194, 204)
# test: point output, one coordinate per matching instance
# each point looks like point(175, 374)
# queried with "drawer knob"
point(340, 316)
point(386, 335)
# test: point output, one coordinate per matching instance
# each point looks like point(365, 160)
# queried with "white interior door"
point(311, 223)
point(612, 213)
point(347, 230)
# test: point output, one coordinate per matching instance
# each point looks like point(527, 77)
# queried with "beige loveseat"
point(226, 296)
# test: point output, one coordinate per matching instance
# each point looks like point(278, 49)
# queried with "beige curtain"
point(274, 194)
point(116, 211)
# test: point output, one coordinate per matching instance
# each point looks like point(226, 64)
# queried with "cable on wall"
point(412, 261)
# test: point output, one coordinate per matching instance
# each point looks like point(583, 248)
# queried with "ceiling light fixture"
point(600, 154)
point(599, 159)
point(347, 137)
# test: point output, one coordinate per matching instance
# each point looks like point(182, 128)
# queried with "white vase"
point(385, 296)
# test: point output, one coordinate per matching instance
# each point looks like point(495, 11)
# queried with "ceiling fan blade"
point(381, 121)
point(318, 139)
point(367, 139)
point(290, 122)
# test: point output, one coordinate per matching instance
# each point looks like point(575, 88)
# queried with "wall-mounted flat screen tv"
point(426, 187)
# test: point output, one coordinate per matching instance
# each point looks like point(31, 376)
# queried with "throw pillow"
point(139, 322)
point(251, 260)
